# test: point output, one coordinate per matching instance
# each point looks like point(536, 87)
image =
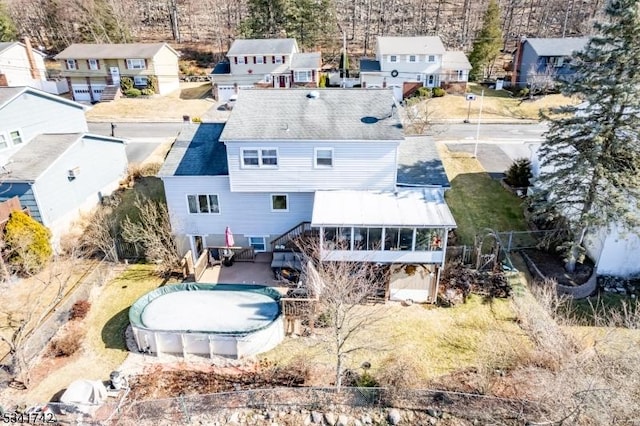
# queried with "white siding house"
point(289, 158)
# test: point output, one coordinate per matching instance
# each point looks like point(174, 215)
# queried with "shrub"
point(147, 92)
point(424, 92)
point(133, 92)
point(27, 243)
point(523, 92)
point(323, 80)
point(68, 342)
point(519, 173)
point(79, 310)
point(196, 120)
point(438, 92)
point(152, 83)
point(126, 83)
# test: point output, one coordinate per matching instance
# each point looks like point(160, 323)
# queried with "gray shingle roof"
point(455, 60)
point(197, 152)
point(419, 163)
point(112, 51)
point(557, 46)
point(9, 93)
point(41, 152)
point(410, 45)
point(6, 45)
point(369, 65)
point(336, 114)
point(263, 46)
point(312, 60)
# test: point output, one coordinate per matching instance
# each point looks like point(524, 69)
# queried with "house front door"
point(115, 75)
point(283, 81)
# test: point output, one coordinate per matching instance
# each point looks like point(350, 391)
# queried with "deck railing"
point(290, 235)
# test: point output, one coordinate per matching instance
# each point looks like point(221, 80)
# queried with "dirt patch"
point(552, 266)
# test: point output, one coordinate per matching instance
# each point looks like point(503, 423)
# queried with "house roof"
point(312, 60)
point(197, 152)
point(113, 51)
point(8, 44)
point(403, 207)
point(369, 65)
point(295, 114)
point(410, 45)
point(7, 94)
point(557, 46)
point(263, 46)
point(455, 60)
point(419, 163)
point(41, 152)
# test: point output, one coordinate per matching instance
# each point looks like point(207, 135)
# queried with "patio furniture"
point(285, 261)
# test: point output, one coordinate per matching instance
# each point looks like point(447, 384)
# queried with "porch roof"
point(419, 207)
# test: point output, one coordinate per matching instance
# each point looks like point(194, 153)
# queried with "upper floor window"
point(203, 203)
point(93, 64)
point(279, 202)
point(259, 59)
point(393, 58)
point(431, 58)
point(242, 59)
point(3, 142)
point(260, 157)
point(460, 75)
point(72, 64)
point(412, 58)
point(302, 76)
point(16, 137)
point(323, 157)
point(136, 64)
point(278, 59)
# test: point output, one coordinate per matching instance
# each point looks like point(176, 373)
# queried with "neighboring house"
point(21, 65)
point(264, 63)
point(543, 60)
point(91, 69)
point(332, 161)
point(406, 63)
point(51, 163)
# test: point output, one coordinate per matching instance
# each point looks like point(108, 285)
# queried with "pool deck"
point(257, 272)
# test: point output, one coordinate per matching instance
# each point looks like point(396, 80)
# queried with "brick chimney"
point(35, 74)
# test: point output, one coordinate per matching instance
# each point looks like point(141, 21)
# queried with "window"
point(324, 157)
point(278, 59)
point(337, 238)
point(3, 142)
point(203, 203)
point(260, 157)
point(259, 59)
point(267, 78)
point(419, 77)
point(140, 80)
point(460, 75)
point(136, 64)
point(429, 239)
point(393, 58)
point(258, 243)
point(556, 61)
point(279, 203)
point(431, 58)
point(412, 58)
point(72, 64)
point(398, 238)
point(93, 64)
point(16, 137)
point(302, 76)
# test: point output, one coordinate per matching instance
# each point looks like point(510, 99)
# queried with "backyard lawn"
point(478, 202)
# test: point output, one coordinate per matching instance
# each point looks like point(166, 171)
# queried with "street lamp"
point(475, 149)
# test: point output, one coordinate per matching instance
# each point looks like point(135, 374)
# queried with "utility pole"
point(344, 58)
point(475, 149)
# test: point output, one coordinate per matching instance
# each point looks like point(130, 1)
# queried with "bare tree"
point(418, 115)
point(99, 236)
point(541, 81)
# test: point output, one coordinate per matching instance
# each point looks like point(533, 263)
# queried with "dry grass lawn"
point(193, 99)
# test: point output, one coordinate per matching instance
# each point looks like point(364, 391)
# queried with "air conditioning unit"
point(73, 173)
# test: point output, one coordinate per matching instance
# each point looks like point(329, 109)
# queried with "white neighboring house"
point(52, 164)
point(267, 63)
point(406, 63)
point(21, 65)
point(333, 162)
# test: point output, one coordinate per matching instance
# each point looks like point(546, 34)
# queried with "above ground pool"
point(232, 320)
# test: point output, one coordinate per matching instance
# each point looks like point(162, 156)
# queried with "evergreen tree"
point(7, 29)
point(308, 21)
point(266, 19)
point(487, 44)
point(590, 160)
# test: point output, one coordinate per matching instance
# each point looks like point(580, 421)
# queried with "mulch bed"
point(552, 266)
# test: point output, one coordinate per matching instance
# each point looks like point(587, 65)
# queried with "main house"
point(545, 58)
point(332, 161)
point(90, 69)
point(406, 63)
point(264, 63)
point(52, 164)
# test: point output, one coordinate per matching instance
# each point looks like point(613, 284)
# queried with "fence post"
point(185, 409)
point(510, 239)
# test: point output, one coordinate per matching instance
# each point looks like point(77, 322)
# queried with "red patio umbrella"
point(228, 237)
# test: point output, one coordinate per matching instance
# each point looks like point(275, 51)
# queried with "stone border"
point(578, 292)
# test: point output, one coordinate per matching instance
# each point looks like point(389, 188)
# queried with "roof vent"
point(314, 94)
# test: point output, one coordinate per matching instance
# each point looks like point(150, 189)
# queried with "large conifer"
point(486, 47)
point(590, 159)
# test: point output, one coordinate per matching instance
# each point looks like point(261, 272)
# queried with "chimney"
point(35, 74)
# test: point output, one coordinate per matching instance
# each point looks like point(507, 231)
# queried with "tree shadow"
point(429, 172)
point(113, 331)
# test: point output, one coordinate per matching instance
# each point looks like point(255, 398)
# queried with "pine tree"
point(308, 21)
point(7, 28)
point(266, 19)
point(487, 44)
point(590, 159)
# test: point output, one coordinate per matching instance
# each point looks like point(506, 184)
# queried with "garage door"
point(97, 91)
point(225, 92)
point(81, 92)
